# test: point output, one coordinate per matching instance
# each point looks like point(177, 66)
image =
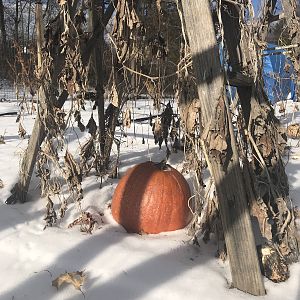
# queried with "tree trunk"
point(2, 27)
point(221, 149)
point(17, 23)
point(97, 58)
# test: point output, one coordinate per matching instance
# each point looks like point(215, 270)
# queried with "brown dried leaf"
point(62, 2)
point(260, 211)
point(127, 118)
point(274, 266)
point(114, 96)
point(293, 131)
point(73, 171)
point(92, 126)
point(18, 118)
point(134, 16)
point(75, 278)
point(1, 184)
point(50, 217)
point(265, 144)
point(218, 142)
point(157, 131)
point(297, 212)
point(282, 108)
point(189, 114)
point(86, 221)
point(81, 126)
point(2, 139)
point(21, 131)
point(87, 150)
point(158, 5)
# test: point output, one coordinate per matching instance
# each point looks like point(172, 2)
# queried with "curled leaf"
point(92, 126)
point(75, 278)
point(21, 131)
point(293, 131)
point(218, 142)
point(86, 221)
point(127, 118)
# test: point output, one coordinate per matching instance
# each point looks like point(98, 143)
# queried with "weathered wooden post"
point(220, 145)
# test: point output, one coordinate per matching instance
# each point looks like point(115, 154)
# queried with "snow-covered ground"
point(118, 265)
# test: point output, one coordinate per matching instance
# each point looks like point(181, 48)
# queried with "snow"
point(118, 265)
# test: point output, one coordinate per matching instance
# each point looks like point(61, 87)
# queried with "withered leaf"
point(21, 131)
point(18, 118)
point(86, 221)
point(274, 266)
point(2, 139)
point(134, 16)
point(73, 171)
point(218, 142)
point(158, 5)
point(81, 126)
point(127, 118)
point(157, 132)
point(114, 96)
point(265, 145)
point(62, 2)
point(293, 131)
point(92, 126)
point(189, 114)
point(1, 184)
point(130, 23)
point(75, 278)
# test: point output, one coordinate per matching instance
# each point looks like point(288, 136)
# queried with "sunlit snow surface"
point(119, 266)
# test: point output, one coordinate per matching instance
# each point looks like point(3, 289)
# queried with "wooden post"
point(223, 156)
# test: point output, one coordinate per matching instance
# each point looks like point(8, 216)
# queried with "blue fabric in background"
point(278, 79)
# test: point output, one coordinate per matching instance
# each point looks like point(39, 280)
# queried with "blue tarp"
point(278, 74)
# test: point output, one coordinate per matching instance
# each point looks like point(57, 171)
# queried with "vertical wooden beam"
point(239, 238)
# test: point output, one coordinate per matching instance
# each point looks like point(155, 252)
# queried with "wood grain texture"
point(239, 238)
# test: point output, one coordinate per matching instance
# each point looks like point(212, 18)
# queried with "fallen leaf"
point(75, 278)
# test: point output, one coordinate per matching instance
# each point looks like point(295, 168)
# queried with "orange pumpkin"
point(152, 198)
